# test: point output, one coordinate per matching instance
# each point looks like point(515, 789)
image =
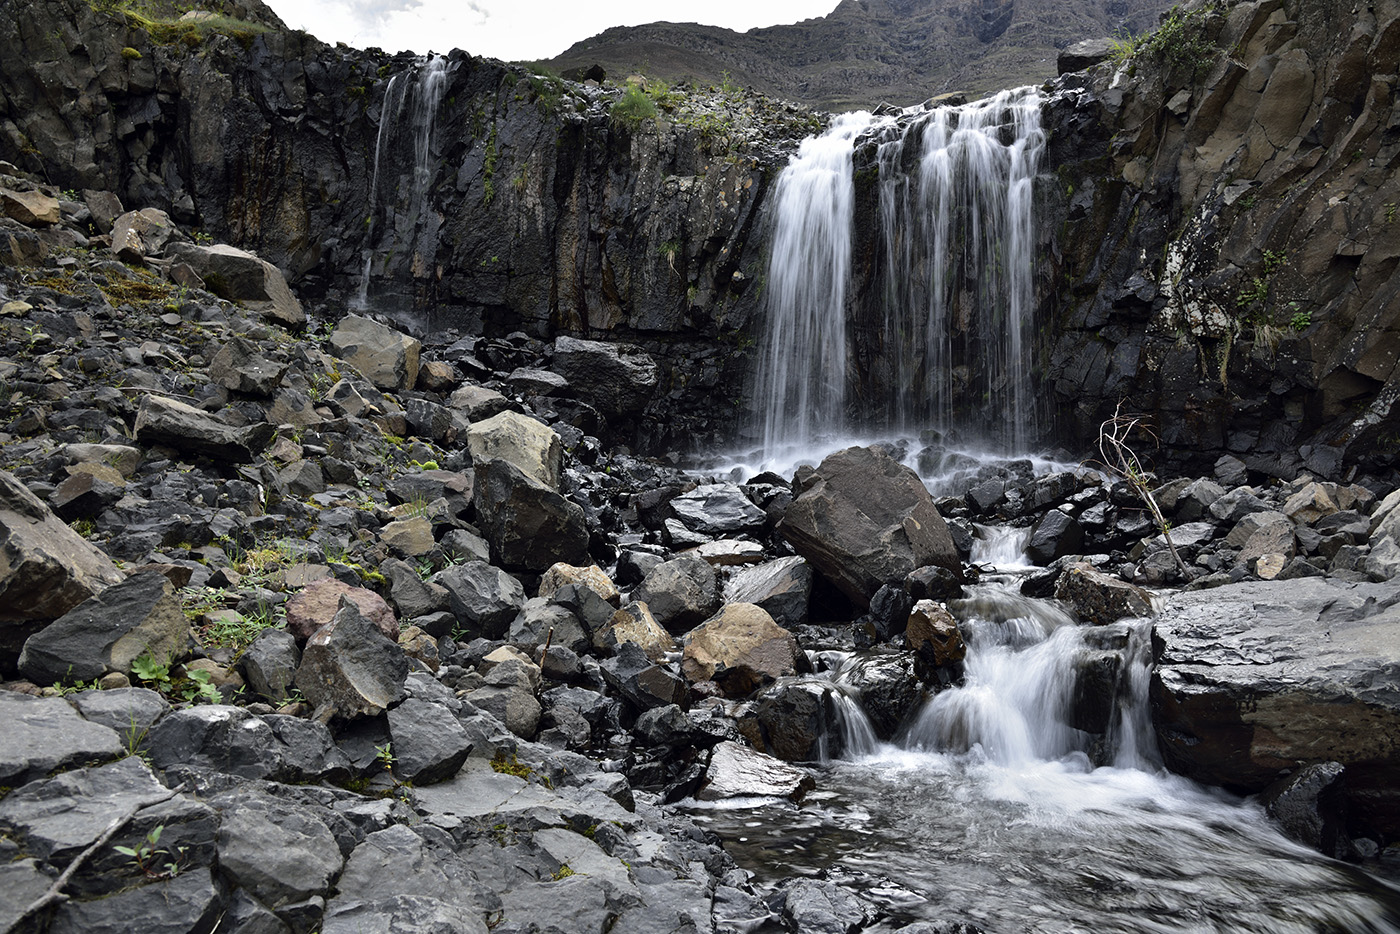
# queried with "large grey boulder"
point(277, 850)
point(718, 509)
point(43, 734)
point(139, 234)
point(429, 745)
point(529, 526)
point(865, 520)
point(108, 632)
point(46, 569)
point(680, 593)
point(615, 379)
point(386, 357)
point(185, 428)
point(239, 276)
point(349, 669)
point(1255, 679)
point(60, 816)
point(529, 444)
point(782, 587)
point(484, 598)
point(736, 771)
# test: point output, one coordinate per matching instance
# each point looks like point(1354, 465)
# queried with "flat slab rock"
point(1257, 679)
point(737, 771)
point(43, 734)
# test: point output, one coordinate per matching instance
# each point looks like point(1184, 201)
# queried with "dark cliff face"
point(870, 51)
point(1229, 239)
point(537, 210)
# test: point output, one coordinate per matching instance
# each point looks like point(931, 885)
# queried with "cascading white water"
point(426, 88)
point(957, 281)
point(803, 368)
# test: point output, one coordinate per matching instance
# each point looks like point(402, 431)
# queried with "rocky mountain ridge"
point(867, 52)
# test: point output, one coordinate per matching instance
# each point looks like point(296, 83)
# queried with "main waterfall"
point(942, 339)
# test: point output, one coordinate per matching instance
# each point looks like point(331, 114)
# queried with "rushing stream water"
point(988, 809)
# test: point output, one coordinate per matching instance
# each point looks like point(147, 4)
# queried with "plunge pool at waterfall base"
point(1052, 846)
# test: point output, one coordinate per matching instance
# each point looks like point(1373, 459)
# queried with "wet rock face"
point(1256, 679)
point(1227, 234)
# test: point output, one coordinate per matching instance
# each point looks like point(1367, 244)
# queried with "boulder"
point(46, 569)
point(529, 526)
point(635, 624)
point(30, 208)
point(387, 358)
point(1310, 807)
point(934, 636)
point(140, 616)
point(239, 366)
point(1054, 535)
point(1311, 503)
point(1256, 678)
point(782, 587)
point(139, 234)
point(680, 593)
point(741, 649)
point(793, 722)
point(428, 743)
point(1084, 54)
point(317, 604)
point(1100, 598)
point(484, 599)
point(270, 663)
point(86, 493)
point(736, 771)
point(644, 684)
point(185, 428)
point(278, 851)
point(478, 403)
point(616, 379)
point(718, 509)
point(592, 577)
point(44, 734)
point(349, 668)
point(864, 520)
point(256, 284)
point(530, 445)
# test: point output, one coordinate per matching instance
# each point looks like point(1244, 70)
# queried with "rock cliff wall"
point(1229, 237)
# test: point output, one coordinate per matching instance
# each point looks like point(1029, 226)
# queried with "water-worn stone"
point(185, 428)
point(1054, 535)
point(741, 649)
point(528, 525)
point(317, 604)
point(349, 668)
point(108, 632)
point(783, 588)
point(43, 734)
point(387, 358)
point(718, 509)
point(46, 569)
point(933, 632)
point(529, 444)
point(1309, 806)
point(820, 906)
point(1099, 598)
point(680, 593)
point(737, 771)
point(864, 520)
point(1255, 678)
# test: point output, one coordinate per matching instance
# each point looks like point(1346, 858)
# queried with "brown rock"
point(1099, 598)
point(316, 606)
point(933, 632)
point(740, 649)
point(30, 208)
point(634, 623)
point(592, 577)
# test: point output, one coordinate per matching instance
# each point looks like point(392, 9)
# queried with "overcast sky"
point(518, 30)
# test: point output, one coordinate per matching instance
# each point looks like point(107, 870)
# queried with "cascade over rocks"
point(865, 520)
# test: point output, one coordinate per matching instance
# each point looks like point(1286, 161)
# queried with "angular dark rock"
point(680, 593)
point(280, 852)
point(108, 632)
point(1097, 597)
point(429, 745)
point(613, 378)
point(43, 734)
point(349, 669)
point(783, 588)
point(185, 428)
point(863, 520)
point(484, 599)
point(528, 525)
point(270, 663)
point(1055, 535)
point(737, 771)
point(642, 683)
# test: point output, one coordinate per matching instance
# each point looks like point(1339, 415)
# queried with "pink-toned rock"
point(315, 606)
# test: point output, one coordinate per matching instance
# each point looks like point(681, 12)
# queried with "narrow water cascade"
point(394, 213)
point(956, 288)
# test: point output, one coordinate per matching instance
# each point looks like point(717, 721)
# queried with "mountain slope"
point(868, 51)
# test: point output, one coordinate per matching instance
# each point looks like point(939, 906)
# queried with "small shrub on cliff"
point(1179, 42)
point(633, 107)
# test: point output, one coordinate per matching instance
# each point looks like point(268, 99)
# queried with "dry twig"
point(1118, 458)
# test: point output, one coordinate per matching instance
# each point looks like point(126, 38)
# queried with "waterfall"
point(948, 346)
point(426, 88)
point(803, 370)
